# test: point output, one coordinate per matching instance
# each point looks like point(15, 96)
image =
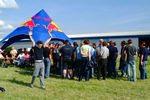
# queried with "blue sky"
point(79, 16)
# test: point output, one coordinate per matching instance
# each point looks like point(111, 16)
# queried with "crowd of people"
point(85, 60)
point(20, 57)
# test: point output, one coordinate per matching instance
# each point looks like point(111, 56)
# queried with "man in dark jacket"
point(67, 53)
point(143, 60)
point(113, 54)
point(122, 59)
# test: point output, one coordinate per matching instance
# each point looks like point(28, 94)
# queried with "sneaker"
point(46, 77)
point(43, 87)
point(31, 85)
point(104, 78)
point(72, 78)
point(64, 78)
point(145, 77)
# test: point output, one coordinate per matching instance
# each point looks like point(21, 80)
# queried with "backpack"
point(2, 90)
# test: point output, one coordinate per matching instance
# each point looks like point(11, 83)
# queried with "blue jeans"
point(123, 68)
point(47, 67)
point(132, 63)
point(84, 69)
point(77, 66)
point(16, 62)
point(142, 69)
point(21, 62)
point(60, 68)
point(92, 70)
point(112, 68)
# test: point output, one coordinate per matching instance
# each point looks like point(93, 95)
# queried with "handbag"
point(89, 65)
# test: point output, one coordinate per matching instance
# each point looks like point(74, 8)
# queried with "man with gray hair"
point(104, 55)
point(101, 40)
point(99, 58)
point(98, 49)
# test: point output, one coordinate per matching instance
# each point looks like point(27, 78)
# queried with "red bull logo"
point(52, 26)
point(29, 23)
point(36, 17)
point(47, 19)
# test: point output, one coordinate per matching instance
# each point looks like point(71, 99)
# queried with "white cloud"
point(8, 4)
point(5, 27)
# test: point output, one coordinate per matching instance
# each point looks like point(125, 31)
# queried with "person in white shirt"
point(104, 53)
point(21, 59)
point(13, 52)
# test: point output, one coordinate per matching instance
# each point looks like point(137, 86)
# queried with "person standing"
point(113, 54)
point(31, 56)
point(99, 58)
point(21, 59)
point(47, 61)
point(104, 55)
point(39, 63)
point(143, 60)
point(78, 59)
point(122, 59)
point(93, 53)
point(130, 52)
point(93, 58)
point(86, 58)
point(67, 53)
point(13, 52)
point(75, 46)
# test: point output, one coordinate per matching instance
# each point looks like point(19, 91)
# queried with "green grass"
point(16, 81)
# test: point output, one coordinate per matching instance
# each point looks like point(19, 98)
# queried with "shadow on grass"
point(22, 83)
point(19, 82)
point(118, 78)
point(56, 76)
point(25, 71)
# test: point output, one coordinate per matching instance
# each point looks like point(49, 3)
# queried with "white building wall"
point(117, 40)
point(18, 45)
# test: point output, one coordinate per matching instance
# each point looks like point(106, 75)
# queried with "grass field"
point(16, 81)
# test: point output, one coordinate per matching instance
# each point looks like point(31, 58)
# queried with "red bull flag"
point(40, 25)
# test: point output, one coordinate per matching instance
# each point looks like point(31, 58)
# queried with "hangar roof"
point(111, 35)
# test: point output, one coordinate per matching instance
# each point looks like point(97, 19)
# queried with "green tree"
point(7, 50)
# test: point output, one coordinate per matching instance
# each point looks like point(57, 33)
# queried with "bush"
point(7, 50)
